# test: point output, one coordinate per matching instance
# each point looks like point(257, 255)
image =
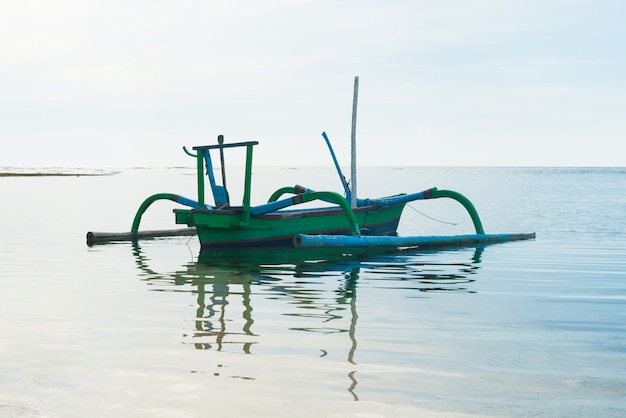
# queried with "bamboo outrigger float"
point(344, 220)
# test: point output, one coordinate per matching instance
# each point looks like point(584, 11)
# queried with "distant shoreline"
point(10, 174)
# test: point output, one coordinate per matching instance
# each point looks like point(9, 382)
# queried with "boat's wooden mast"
point(220, 140)
point(353, 195)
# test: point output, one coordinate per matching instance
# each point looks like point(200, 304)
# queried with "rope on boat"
point(430, 217)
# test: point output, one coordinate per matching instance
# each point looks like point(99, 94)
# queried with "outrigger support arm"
point(432, 193)
point(336, 198)
point(467, 204)
point(134, 235)
point(159, 196)
point(303, 195)
point(288, 190)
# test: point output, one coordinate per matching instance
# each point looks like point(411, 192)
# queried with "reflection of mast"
point(247, 314)
point(352, 279)
point(351, 285)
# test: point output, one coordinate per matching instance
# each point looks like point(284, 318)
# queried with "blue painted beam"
point(347, 241)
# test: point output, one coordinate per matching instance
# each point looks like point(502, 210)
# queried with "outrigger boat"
point(369, 223)
point(344, 221)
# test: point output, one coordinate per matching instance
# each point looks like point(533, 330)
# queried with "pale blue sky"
point(447, 82)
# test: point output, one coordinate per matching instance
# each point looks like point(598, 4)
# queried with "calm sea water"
point(531, 328)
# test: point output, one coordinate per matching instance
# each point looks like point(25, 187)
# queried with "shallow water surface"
point(156, 328)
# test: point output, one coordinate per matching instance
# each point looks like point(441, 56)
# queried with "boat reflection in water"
point(283, 274)
point(317, 286)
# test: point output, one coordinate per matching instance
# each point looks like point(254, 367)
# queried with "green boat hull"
point(231, 227)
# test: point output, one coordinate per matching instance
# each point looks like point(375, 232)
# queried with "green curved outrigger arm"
point(297, 190)
point(467, 204)
point(432, 193)
point(303, 195)
point(334, 198)
point(299, 198)
point(150, 200)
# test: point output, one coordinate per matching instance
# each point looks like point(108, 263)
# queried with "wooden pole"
point(380, 241)
point(220, 140)
point(353, 195)
point(94, 238)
